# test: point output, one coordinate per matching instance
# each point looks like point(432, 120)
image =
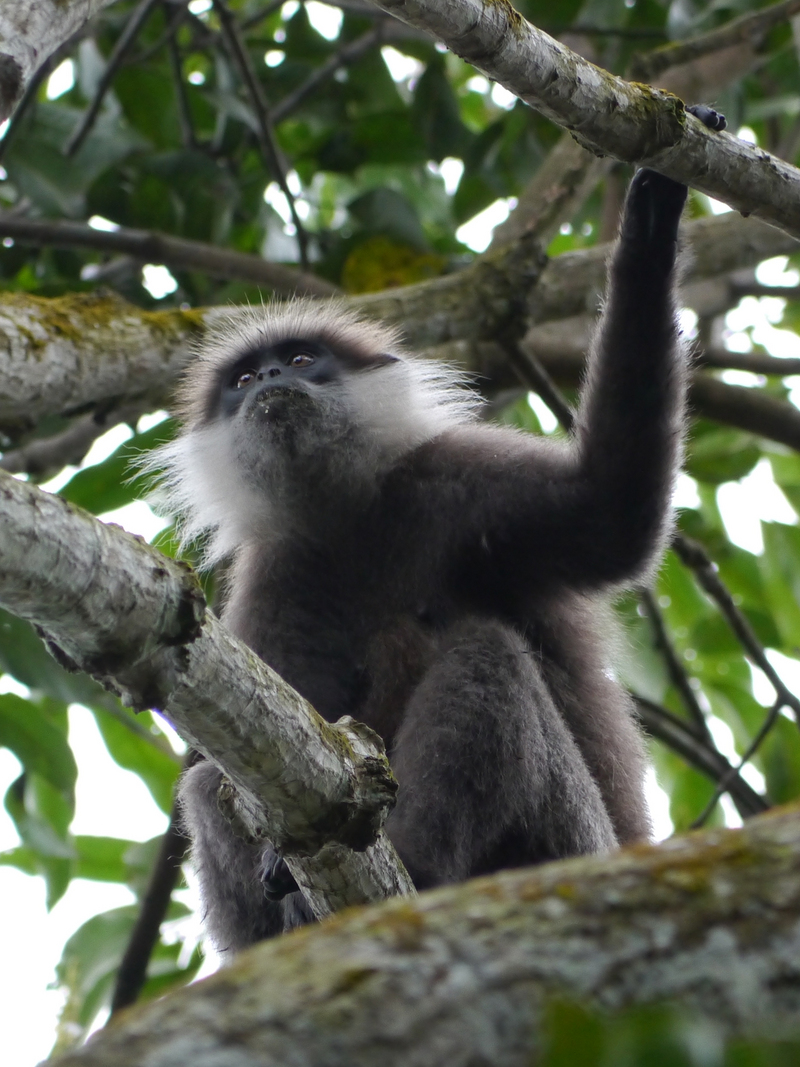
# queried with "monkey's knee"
point(489, 774)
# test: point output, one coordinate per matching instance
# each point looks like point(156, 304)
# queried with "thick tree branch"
point(629, 121)
point(461, 975)
point(30, 31)
point(72, 353)
point(118, 609)
point(177, 252)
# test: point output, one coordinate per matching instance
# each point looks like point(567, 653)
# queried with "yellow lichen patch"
point(381, 263)
point(404, 924)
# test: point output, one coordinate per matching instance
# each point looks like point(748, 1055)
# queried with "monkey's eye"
point(245, 379)
point(302, 359)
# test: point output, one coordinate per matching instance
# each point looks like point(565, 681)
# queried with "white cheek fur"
point(204, 487)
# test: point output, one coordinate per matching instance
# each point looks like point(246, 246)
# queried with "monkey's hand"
point(655, 203)
point(277, 879)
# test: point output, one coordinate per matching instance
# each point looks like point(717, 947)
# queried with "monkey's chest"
point(341, 652)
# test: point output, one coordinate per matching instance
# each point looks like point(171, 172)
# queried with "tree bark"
point(30, 31)
point(113, 606)
point(630, 121)
point(70, 354)
point(460, 976)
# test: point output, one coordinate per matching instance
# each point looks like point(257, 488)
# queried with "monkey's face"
point(289, 401)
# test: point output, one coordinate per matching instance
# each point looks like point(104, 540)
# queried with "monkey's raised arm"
point(596, 512)
point(629, 428)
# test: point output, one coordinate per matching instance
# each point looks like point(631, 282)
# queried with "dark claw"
point(708, 116)
point(277, 879)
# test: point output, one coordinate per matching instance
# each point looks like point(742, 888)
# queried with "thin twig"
point(694, 556)
point(166, 871)
point(624, 33)
point(532, 373)
point(786, 292)
point(724, 782)
point(124, 42)
point(188, 138)
point(266, 135)
point(344, 56)
point(173, 25)
point(751, 27)
point(677, 734)
point(677, 672)
point(264, 13)
point(177, 252)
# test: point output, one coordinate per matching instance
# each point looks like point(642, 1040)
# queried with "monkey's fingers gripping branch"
point(113, 606)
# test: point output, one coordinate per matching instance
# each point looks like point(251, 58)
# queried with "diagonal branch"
point(724, 783)
point(30, 31)
point(136, 620)
point(273, 157)
point(694, 556)
point(629, 121)
point(123, 43)
point(677, 735)
point(753, 26)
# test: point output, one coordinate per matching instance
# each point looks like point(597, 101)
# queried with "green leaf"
point(780, 761)
point(101, 859)
point(721, 455)
point(41, 746)
point(116, 481)
point(157, 768)
point(58, 184)
point(780, 567)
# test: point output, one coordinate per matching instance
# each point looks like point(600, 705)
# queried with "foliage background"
point(399, 163)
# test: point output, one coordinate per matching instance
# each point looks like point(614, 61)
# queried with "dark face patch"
point(296, 364)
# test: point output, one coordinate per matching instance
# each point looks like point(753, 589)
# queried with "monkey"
point(444, 580)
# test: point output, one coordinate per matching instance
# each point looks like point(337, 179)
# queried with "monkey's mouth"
point(280, 404)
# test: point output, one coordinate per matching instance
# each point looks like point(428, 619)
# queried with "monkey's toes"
point(714, 120)
point(277, 879)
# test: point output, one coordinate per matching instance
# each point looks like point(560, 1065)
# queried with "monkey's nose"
point(274, 372)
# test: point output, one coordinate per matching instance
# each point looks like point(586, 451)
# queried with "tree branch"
point(462, 975)
point(629, 121)
point(748, 28)
point(132, 972)
point(677, 734)
point(177, 252)
point(30, 31)
point(69, 354)
point(722, 785)
point(693, 555)
point(266, 135)
point(134, 24)
point(675, 669)
point(115, 607)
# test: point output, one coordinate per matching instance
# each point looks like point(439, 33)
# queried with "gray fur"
point(440, 579)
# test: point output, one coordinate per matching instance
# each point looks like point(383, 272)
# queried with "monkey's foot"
point(277, 879)
point(655, 203)
point(714, 120)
